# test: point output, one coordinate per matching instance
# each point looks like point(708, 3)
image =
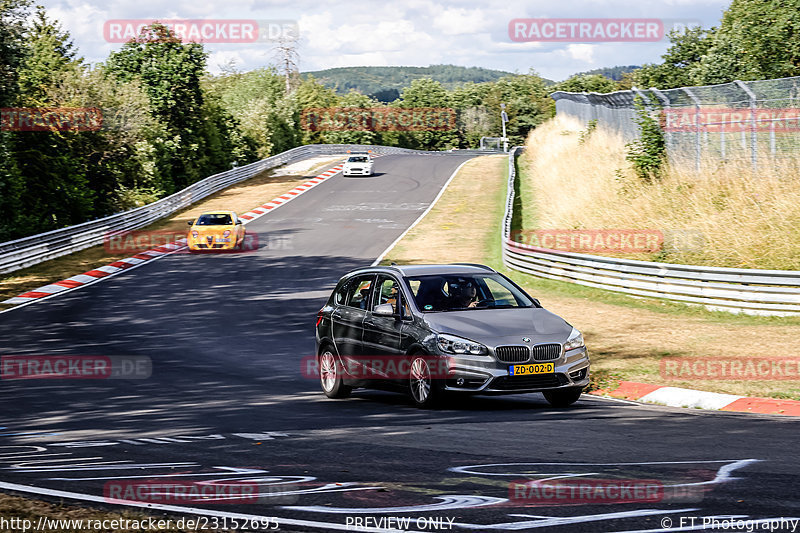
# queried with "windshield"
point(464, 292)
point(214, 220)
point(358, 159)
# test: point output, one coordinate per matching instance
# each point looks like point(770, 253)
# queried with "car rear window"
point(354, 292)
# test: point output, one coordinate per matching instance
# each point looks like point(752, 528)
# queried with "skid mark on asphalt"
point(65, 462)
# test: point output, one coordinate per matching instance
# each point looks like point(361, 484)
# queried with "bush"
point(648, 153)
point(129, 198)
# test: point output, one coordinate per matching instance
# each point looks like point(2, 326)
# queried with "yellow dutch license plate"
point(535, 368)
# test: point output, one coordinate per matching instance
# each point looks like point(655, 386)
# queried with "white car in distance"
point(358, 164)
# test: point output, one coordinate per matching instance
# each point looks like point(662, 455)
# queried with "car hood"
point(501, 326)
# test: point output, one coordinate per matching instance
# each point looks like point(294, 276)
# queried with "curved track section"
point(226, 403)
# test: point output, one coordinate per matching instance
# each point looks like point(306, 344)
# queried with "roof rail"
point(475, 265)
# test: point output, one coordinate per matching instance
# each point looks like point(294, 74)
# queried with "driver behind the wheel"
point(463, 294)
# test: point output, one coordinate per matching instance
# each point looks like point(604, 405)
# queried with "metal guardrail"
point(34, 249)
point(738, 290)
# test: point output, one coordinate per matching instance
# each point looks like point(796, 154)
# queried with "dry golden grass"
point(439, 237)
point(239, 198)
point(630, 343)
point(746, 219)
point(627, 342)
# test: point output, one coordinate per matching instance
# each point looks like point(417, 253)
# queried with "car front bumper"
point(487, 375)
point(203, 244)
point(357, 171)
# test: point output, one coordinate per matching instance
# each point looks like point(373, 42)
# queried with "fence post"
point(666, 105)
point(697, 143)
point(753, 126)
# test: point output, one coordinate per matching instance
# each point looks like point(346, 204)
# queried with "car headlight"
point(195, 234)
point(226, 233)
point(574, 341)
point(459, 346)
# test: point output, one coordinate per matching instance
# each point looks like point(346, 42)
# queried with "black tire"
point(425, 391)
point(563, 397)
point(330, 375)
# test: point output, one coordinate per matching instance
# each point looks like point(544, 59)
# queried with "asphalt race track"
point(227, 403)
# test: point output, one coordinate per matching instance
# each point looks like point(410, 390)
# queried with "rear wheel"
point(330, 376)
point(425, 391)
point(563, 397)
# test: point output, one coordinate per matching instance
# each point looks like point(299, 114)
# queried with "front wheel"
point(330, 376)
point(425, 391)
point(563, 397)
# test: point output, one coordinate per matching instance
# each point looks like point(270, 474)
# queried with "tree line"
point(386, 83)
point(167, 123)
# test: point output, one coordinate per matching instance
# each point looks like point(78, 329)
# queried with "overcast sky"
point(407, 33)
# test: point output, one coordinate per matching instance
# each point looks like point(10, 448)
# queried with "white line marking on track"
point(723, 473)
point(603, 398)
point(107, 466)
point(454, 501)
point(188, 510)
point(569, 520)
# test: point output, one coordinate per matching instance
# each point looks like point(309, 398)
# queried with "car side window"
point(340, 297)
point(388, 292)
point(359, 297)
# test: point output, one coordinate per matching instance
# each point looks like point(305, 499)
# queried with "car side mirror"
point(383, 310)
point(537, 302)
point(238, 221)
point(190, 222)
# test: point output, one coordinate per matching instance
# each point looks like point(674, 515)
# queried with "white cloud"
point(459, 21)
point(581, 52)
point(416, 32)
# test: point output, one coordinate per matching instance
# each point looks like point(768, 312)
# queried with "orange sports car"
point(217, 230)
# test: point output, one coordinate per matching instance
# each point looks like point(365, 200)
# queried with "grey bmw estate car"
point(434, 329)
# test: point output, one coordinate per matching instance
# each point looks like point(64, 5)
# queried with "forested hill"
point(612, 73)
point(386, 83)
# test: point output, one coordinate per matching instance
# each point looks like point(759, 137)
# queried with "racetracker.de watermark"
point(378, 119)
point(730, 120)
point(595, 30)
point(75, 367)
point(589, 491)
point(135, 242)
point(51, 119)
point(232, 31)
point(600, 241)
point(171, 491)
point(585, 491)
point(379, 366)
point(733, 369)
point(592, 240)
